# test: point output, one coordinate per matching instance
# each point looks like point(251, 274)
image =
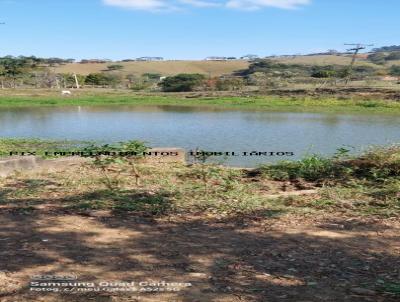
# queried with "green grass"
point(310, 168)
point(366, 184)
point(268, 103)
point(39, 146)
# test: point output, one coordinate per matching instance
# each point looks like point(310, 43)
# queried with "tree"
point(273, 68)
point(13, 67)
point(387, 48)
point(394, 70)
point(182, 82)
point(377, 58)
point(393, 56)
point(323, 72)
point(101, 79)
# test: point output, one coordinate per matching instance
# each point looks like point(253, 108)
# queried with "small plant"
point(341, 153)
point(107, 156)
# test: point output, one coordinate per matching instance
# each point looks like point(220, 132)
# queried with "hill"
point(212, 68)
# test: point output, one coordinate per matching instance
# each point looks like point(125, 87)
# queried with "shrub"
point(182, 82)
point(229, 84)
point(310, 168)
point(323, 72)
point(115, 67)
point(393, 56)
point(394, 70)
point(101, 79)
point(377, 165)
point(377, 58)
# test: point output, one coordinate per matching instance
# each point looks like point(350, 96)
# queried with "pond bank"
point(218, 228)
point(262, 103)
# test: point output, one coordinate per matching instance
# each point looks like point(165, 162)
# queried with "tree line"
point(36, 72)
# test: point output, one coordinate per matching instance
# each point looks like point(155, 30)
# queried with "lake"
point(205, 128)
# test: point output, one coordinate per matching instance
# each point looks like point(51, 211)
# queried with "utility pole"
point(356, 49)
point(76, 81)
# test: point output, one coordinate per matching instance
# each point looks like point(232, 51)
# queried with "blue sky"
point(192, 29)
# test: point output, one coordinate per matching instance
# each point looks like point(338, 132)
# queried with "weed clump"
point(310, 168)
point(378, 165)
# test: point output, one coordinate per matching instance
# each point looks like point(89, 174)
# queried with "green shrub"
point(394, 70)
point(310, 168)
point(115, 67)
point(181, 82)
point(102, 79)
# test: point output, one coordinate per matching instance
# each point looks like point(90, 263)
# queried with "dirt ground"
point(289, 258)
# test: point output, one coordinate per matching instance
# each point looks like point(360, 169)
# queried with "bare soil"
point(290, 258)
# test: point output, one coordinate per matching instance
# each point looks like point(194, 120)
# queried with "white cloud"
point(199, 3)
point(257, 4)
point(165, 5)
point(150, 5)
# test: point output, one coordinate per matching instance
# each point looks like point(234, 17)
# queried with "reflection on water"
point(206, 128)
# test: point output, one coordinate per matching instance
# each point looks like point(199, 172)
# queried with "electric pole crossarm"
point(356, 49)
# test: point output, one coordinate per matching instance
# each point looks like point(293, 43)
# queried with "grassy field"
point(324, 60)
point(212, 68)
point(307, 104)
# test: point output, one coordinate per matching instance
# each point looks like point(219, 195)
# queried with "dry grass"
point(323, 60)
point(212, 68)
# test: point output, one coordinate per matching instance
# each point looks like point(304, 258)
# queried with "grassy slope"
point(257, 103)
point(324, 60)
point(164, 68)
point(208, 67)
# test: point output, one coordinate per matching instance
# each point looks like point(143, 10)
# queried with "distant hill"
point(387, 48)
point(212, 68)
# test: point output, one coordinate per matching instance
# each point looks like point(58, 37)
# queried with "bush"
point(273, 68)
point(377, 58)
point(394, 70)
point(377, 165)
point(115, 67)
point(101, 79)
point(323, 72)
point(182, 82)
point(229, 84)
point(310, 168)
point(393, 56)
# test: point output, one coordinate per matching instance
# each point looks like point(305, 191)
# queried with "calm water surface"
point(206, 129)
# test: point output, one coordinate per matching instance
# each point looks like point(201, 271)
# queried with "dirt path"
point(290, 258)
